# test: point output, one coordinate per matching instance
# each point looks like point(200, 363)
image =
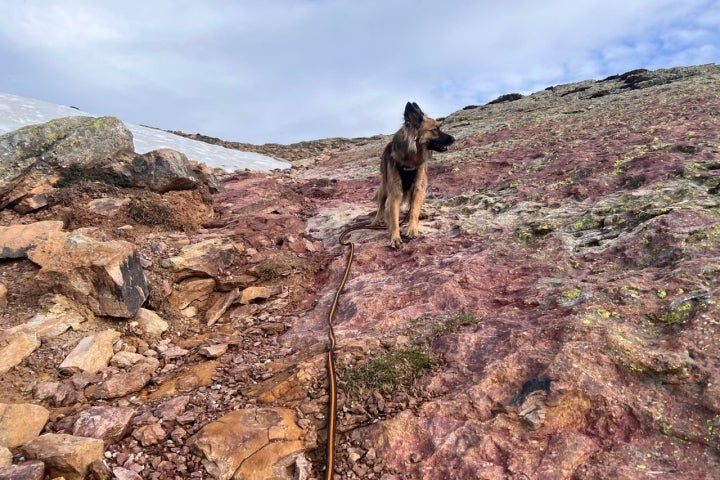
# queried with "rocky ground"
point(556, 319)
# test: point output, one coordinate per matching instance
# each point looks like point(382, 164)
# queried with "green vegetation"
point(389, 372)
point(270, 270)
point(450, 324)
point(398, 369)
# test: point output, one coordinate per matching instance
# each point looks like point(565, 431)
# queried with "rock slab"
point(20, 423)
point(250, 444)
point(65, 455)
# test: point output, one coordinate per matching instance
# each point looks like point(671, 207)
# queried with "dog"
point(403, 170)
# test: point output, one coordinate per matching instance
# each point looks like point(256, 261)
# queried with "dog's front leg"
point(394, 201)
point(417, 196)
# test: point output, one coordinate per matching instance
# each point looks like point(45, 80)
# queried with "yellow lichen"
point(572, 294)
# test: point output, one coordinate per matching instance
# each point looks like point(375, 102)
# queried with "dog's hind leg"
point(381, 199)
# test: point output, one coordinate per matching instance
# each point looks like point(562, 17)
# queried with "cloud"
point(292, 70)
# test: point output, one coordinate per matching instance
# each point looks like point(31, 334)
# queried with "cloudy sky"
point(288, 70)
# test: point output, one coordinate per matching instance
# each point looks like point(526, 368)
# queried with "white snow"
point(16, 112)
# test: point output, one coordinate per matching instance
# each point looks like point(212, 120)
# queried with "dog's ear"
point(413, 115)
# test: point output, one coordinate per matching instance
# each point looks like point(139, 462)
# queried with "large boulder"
point(107, 276)
point(161, 171)
point(42, 154)
point(37, 158)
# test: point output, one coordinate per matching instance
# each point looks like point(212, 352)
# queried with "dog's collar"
point(407, 169)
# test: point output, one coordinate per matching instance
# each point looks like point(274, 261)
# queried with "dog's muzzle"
point(441, 143)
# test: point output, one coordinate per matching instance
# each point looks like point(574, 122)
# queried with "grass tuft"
point(389, 372)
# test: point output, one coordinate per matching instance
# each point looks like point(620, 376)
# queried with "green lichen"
point(587, 222)
point(635, 368)
point(535, 230)
point(630, 291)
point(679, 314)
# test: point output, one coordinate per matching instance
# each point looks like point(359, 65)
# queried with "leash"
point(332, 376)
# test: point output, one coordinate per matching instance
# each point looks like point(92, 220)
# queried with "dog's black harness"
point(407, 175)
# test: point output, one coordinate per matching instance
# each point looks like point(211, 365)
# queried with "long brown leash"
point(332, 376)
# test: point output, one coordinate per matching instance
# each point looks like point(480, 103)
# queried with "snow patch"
point(17, 112)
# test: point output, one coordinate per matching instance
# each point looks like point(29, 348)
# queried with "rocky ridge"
point(556, 319)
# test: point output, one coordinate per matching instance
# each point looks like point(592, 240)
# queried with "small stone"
point(121, 473)
point(258, 293)
point(149, 323)
point(170, 409)
point(213, 351)
point(149, 434)
point(91, 354)
point(5, 456)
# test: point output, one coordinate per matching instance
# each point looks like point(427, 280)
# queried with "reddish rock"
point(121, 473)
point(120, 384)
point(170, 409)
point(213, 351)
point(32, 470)
point(149, 434)
point(107, 423)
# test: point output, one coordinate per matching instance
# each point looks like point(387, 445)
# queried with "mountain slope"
point(557, 317)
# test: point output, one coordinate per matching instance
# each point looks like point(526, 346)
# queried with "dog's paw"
point(411, 233)
point(395, 243)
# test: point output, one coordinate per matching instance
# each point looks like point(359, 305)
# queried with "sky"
point(283, 71)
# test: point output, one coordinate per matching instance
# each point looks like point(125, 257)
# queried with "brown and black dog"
point(403, 170)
